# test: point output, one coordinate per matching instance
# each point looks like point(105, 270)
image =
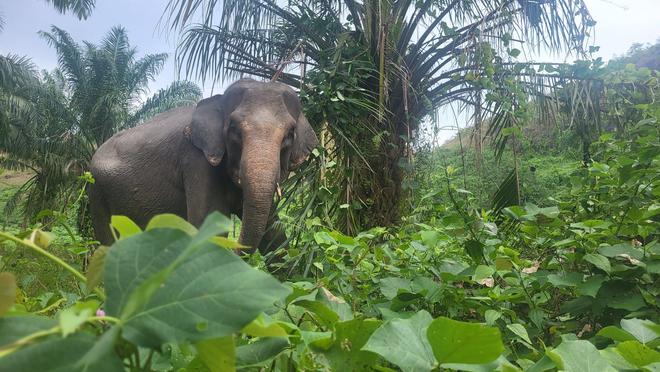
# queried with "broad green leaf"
point(261, 351)
point(171, 221)
point(124, 226)
point(482, 272)
point(95, 269)
point(218, 354)
point(591, 286)
point(349, 338)
point(215, 224)
point(492, 316)
point(637, 353)
point(209, 293)
point(328, 308)
point(56, 354)
point(219, 293)
point(499, 364)
point(390, 287)
point(616, 360)
point(403, 342)
point(621, 249)
point(570, 279)
point(619, 294)
point(101, 351)
point(73, 317)
point(453, 341)
point(578, 356)
point(7, 292)
point(319, 341)
point(520, 331)
point(616, 334)
point(640, 328)
point(14, 328)
point(263, 326)
point(653, 367)
point(599, 261)
point(132, 261)
point(224, 242)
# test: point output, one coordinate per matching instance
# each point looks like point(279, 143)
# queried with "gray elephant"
point(228, 154)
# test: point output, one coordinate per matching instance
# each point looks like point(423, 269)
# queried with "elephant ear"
point(303, 143)
point(207, 130)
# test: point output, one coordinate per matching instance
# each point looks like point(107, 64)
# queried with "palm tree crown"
point(96, 91)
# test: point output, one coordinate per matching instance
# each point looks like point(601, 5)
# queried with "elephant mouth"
point(213, 159)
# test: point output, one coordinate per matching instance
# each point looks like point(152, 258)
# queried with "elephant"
point(227, 154)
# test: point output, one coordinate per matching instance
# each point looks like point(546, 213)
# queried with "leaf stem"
point(53, 258)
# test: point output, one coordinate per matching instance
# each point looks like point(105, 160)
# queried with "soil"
point(9, 178)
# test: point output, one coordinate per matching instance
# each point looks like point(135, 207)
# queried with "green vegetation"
point(529, 243)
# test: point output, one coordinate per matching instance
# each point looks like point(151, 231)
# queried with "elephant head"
point(259, 133)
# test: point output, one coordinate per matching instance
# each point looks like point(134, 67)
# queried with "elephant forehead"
point(262, 117)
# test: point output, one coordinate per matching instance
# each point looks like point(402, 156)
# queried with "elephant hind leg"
point(100, 216)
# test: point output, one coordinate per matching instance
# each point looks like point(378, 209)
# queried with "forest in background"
point(527, 243)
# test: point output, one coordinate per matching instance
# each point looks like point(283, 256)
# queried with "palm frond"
point(179, 93)
point(508, 192)
point(80, 8)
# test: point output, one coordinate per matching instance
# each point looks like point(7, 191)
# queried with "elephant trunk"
point(258, 175)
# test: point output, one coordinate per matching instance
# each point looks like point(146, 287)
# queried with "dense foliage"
point(372, 71)
point(539, 252)
point(568, 286)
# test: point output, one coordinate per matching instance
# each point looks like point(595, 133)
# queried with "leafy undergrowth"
point(571, 286)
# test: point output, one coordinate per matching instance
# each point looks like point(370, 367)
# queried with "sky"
point(620, 23)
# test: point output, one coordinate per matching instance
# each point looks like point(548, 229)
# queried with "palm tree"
point(372, 71)
point(80, 8)
point(96, 91)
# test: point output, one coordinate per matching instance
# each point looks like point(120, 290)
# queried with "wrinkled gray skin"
point(227, 154)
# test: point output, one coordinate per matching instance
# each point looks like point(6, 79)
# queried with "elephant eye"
point(288, 139)
point(234, 133)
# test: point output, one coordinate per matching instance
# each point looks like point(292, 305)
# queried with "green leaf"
point(591, 286)
point(513, 52)
point(318, 341)
point(7, 292)
point(72, 318)
point(492, 316)
point(621, 249)
point(326, 306)
point(578, 356)
point(350, 336)
point(615, 334)
point(171, 221)
point(482, 272)
point(101, 351)
point(13, 328)
point(95, 269)
point(57, 354)
point(155, 278)
point(218, 354)
point(616, 360)
point(570, 279)
point(403, 342)
point(124, 226)
point(261, 351)
point(390, 287)
point(263, 326)
point(599, 261)
point(520, 331)
point(637, 354)
point(640, 328)
point(462, 342)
